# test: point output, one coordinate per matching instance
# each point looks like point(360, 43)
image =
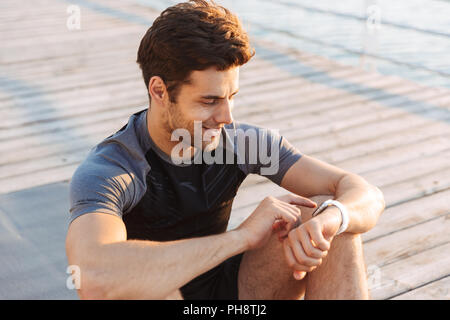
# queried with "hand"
point(306, 245)
point(258, 227)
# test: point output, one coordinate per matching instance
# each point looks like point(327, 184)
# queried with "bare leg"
point(342, 274)
point(264, 274)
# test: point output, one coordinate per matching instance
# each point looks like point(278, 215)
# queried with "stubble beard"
point(174, 120)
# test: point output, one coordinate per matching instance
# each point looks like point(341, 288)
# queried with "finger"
point(308, 248)
point(291, 261)
point(293, 210)
point(301, 201)
point(301, 257)
point(278, 225)
point(299, 275)
point(318, 239)
point(287, 215)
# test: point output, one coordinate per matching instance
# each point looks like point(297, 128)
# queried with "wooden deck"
point(62, 92)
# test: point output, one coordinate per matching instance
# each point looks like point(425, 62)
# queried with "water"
point(407, 38)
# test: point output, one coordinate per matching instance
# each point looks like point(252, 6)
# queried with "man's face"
point(209, 99)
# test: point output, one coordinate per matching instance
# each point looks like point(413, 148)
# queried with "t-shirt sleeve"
point(265, 151)
point(100, 188)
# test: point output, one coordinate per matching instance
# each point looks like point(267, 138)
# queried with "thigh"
point(264, 273)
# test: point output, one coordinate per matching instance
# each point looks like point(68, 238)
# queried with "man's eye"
point(210, 103)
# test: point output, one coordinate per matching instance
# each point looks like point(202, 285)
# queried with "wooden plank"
point(395, 155)
point(436, 290)
point(419, 187)
point(16, 35)
point(410, 169)
point(112, 66)
point(59, 174)
point(74, 128)
point(90, 100)
point(32, 149)
point(408, 214)
point(20, 169)
point(370, 122)
point(408, 242)
point(71, 81)
point(322, 60)
point(333, 100)
point(290, 106)
point(305, 86)
point(109, 64)
point(399, 278)
point(391, 140)
point(298, 90)
point(15, 55)
point(130, 105)
point(88, 60)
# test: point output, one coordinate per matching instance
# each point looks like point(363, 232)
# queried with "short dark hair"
point(190, 36)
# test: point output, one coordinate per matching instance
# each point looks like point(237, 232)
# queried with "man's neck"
point(160, 136)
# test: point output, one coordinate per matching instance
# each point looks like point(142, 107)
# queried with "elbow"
point(97, 285)
point(379, 199)
point(379, 204)
point(91, 285)
point(89, 278)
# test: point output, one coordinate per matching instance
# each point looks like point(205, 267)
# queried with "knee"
point(352, 241)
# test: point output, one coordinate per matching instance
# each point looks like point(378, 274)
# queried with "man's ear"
point(157, 89)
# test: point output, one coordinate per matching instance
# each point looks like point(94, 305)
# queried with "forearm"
point(138, 269)
point(364, 202)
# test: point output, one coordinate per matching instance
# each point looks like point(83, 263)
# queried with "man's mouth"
point(213, 132)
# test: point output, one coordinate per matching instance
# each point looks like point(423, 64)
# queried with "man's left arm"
point(364, 202)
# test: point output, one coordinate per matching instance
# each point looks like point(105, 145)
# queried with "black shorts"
point(219, 283)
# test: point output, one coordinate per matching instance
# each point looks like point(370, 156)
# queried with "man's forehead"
point(212, 79)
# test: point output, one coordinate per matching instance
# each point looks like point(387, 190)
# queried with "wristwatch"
point(341, 207)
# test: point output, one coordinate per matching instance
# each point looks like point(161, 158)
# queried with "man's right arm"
point(112, 267)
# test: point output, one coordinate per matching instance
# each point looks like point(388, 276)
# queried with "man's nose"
point(224, 113)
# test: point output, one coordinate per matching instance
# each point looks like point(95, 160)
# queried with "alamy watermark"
point(74, 279)
point(370, 37)
point(74, 20)
point(374, 276)
point(252, 147)
point(373, 21)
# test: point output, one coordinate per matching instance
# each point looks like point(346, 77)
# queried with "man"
point(149, 221)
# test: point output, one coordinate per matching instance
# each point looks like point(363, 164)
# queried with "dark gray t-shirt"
point(128, 176)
